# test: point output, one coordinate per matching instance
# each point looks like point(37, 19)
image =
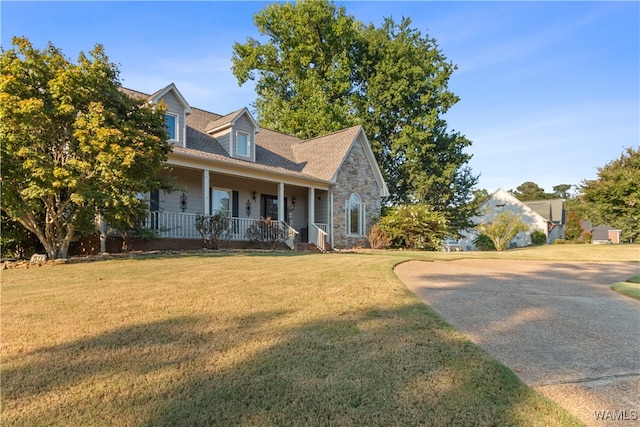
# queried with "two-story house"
point(326, 190)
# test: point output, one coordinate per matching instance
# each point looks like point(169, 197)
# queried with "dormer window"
point(242, 144)
point(171, 126)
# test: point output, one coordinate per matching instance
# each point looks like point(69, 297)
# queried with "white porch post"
point(281, 202)
point(205, 191)
point(331, 223)
point(312, 207)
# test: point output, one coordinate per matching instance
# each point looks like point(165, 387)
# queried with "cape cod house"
point(326, 191)
point(543, 215)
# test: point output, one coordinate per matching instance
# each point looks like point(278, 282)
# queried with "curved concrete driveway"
point(557, 325)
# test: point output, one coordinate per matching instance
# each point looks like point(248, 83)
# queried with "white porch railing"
point(182, 225)
point(318, 236)
point(173, 225)
point(292, 236)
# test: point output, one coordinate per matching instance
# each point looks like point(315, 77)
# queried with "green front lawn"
point(630, 288)
point(245, 339)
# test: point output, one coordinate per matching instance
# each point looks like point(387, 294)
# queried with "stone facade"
point(355, 176)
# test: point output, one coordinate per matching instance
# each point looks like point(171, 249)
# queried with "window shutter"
point(235, 202)
point(154, 201)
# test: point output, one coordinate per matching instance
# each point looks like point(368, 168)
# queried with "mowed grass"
point(630, 287)
point(247, 339)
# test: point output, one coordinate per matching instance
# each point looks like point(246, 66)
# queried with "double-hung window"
point(242, 144)
point(355, 216)
point(171, 126)
point(221, 202)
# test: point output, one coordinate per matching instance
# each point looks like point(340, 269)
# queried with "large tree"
point(306, 71)
point(321, 70)
point(530, 191)
point(614, 198)
point(562, 191)
point(73, 145)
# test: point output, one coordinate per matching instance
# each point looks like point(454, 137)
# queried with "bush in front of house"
point(538, 238)
point(378, 238)
point(415, 226)
point(266, 233)
point(214, 229)
point(484, 243)
point(502, 228)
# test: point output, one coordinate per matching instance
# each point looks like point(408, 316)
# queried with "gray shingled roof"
point(601, 232)
point(323, 156)
point(224, 120)
point(318, 158)
point(551, 209)
point(135, 94)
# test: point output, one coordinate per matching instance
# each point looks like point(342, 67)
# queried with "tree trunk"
point(55, 249)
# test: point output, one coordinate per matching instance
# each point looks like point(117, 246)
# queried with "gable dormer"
point(236, 133)
point(176, 114)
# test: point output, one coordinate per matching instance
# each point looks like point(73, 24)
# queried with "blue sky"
point(549, 91)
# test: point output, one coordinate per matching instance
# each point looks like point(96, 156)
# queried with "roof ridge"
point(135, 91)
point(208, 112)
point(330, 134)
point(299, 140)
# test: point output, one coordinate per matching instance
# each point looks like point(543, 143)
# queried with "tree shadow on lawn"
point(400, 366)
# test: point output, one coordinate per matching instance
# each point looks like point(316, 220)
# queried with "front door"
point(269, 207)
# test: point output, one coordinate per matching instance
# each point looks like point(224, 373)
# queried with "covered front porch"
point(297, 209)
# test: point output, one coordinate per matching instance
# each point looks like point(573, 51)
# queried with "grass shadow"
point(378, 367)
point(337, 342)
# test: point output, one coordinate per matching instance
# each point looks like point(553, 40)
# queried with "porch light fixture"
point(253, 195)
point(293, 201)
point(183, 202)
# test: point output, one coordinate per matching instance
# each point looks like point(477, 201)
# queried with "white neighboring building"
point(544, 215)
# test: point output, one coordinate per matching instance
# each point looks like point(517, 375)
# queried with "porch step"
point(307, 247)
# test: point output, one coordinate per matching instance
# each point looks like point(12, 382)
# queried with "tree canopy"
point(614, 198)
point(73, 144)
point(530, 191)
point(321, 70)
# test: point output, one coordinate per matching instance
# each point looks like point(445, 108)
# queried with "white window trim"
point(235, 144)
point(176, 127)
point(361, 221)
